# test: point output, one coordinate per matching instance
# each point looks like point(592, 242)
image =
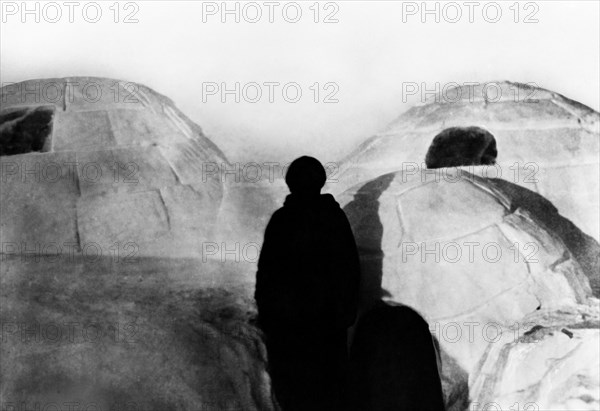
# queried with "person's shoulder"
point(329, 202)
point(280, 215)
point(334, 210)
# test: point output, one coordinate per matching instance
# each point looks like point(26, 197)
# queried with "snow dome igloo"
point(545, 142)
point(94, 164)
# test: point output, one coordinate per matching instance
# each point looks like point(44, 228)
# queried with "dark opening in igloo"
point(462, 146)
point(25, 130)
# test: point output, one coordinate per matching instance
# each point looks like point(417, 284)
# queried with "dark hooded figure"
point(307, 292)
point(394, 362)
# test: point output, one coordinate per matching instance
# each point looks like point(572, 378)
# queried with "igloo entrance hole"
point(25, 130)
point(462, 146)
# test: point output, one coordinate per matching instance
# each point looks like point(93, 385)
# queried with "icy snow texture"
point(554, 141)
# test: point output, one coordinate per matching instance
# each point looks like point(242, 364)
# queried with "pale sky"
point(366, 55)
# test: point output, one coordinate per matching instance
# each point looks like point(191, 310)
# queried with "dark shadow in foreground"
point(393, 362)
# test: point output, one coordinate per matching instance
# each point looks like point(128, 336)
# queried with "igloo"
point(554, 366)
point(106, 299)
point(96, 165)
point(466, 253)
point(546, 143)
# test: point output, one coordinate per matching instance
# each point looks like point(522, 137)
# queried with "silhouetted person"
point(307, 292)
point(394, 362)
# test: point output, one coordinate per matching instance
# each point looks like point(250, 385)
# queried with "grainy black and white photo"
point(303, 205)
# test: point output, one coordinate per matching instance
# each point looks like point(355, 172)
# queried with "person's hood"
point(319, 201)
